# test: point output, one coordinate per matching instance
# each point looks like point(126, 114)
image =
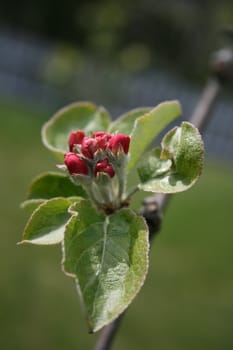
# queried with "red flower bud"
point(75, 165)
point(98, 141)
point(104, 167)
point(89, 146)
point(119, 141)
point(102, 139)
point(75, 139)
point(102, 134)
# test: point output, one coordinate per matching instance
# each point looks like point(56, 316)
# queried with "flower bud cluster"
point(98, 163)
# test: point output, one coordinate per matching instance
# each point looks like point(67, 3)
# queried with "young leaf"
point(148, 126)
point(184, 147)
point(52, 184)
point(125, 123)
point(83, 115)
point(47, 224)
point(108, 257)
point(31, 204)
point(153, 166)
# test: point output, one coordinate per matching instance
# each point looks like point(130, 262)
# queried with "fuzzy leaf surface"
point(184, 147)
point(108, 257)
point(52, 184)
point(47, 223)
point(153, 166)
point(148, 126)
point(82, 115)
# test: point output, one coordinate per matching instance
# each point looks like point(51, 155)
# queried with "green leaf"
point(82, 115)
point(108, 257)
point(31, 204)
point(183, 145)
point(125, 123)
point(148, 126)
point(47, 224)
point(52, 184)
point(153, 166)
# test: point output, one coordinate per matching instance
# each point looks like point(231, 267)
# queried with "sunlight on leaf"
point(47, 223)
point(108, 258)
point(148, 126)
point(184, 147)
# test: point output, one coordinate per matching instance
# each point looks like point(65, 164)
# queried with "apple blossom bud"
point(102, 134)
point(75, 139)
point(75, 165)
point(119, 141)
point(104, 167)
point(98, 141)
point(89, 147)
point(102, 139)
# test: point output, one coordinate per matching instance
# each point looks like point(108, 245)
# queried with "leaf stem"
point(131, 192)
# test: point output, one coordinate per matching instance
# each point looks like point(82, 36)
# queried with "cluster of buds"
point(98, 163)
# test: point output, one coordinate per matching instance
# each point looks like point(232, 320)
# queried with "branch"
point(153, 206)
point(108, 334)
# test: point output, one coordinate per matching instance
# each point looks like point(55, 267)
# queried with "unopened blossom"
point(98, 141)
point(118, 142)
point(89, 147)
point(75, 139)
point(98, 154)
point(75, 164)
point(104, 167)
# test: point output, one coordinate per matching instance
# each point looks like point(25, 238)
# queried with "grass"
point(187, 300)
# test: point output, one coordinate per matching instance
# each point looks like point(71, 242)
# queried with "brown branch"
point(154, 206)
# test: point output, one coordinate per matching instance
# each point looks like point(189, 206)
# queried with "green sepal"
point(184, 147)
point(84, 116)
point(47, 223)
point(148, 126)
point(108, 258)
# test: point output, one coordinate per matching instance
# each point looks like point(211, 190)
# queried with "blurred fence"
point(50, 77)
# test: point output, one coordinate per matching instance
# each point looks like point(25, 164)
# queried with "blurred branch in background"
point(120, 54)
point(154, 206)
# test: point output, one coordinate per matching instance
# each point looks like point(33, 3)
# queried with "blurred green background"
point(187, 300)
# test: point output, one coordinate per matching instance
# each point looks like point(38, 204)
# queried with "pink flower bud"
point(75, 139)
point(119, 141)
point(104, 167)
point(75, 165)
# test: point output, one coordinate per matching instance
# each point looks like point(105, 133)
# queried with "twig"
point(107, 336)
point(154, 206)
